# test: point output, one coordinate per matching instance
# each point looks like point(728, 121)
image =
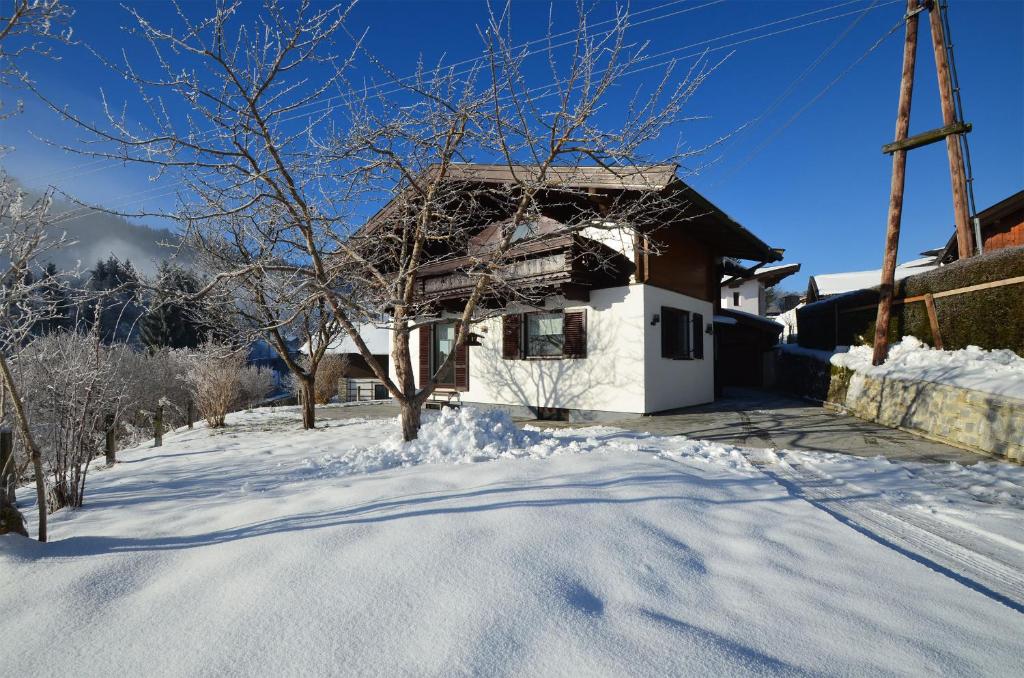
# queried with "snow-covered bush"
point(329, 371)
point(71, 383)
point(254, 384)
point(215, 377)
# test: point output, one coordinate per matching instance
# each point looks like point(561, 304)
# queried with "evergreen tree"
point(170, 319)
point(118, 285)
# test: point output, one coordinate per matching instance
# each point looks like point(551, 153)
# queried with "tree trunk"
point(11, 519)
point(308, 398)
point(158, 426)
point(30, 443)
point(411, 416)
point(408, 400)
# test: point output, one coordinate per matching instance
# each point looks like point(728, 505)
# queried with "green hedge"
point(992, 318)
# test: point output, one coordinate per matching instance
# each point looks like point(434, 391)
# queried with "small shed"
point(742, 340)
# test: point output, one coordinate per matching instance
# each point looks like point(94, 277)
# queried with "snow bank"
point(1000, 372)
point(469, 435)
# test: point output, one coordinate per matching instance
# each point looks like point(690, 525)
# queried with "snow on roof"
point(736, 313)
point(377, 339)
point(771, 275)
point(839, 283)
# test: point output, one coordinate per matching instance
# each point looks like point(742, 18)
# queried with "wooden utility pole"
point(957, 175)
point(950, 131)
point(896, 186)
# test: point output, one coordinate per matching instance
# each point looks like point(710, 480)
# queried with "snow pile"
point(465, 435)
point(469, 435)
point(999, 372)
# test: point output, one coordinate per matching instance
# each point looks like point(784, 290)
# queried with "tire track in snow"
point(960, 554)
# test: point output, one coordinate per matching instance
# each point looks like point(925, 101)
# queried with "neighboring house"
point(749, 294)
point(828, 285)
point(1001, 225)
point(358, 380)
point(263, 355)
point(634, 334)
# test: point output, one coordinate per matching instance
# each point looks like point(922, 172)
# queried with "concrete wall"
point(976, 421)
point(623, 370)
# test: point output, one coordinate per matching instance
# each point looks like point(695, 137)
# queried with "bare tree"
point(28, 27)
point(280, 154)
point(23, 242)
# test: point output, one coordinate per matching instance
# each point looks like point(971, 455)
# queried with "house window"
point(526, 229)
point(735, 298)
point(675, 333)
point(545, 335)
point(443, 345)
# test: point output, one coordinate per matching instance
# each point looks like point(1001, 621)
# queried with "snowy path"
point(985, 562)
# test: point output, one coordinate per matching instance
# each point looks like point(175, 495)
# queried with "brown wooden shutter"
point(698, 336)
point(462, 367)
point(511, 337)
point(574, 327)
point(425, 341)
point(668, 328)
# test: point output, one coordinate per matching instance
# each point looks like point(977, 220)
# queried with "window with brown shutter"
point(511, 336)
point(675, 334)
point(426, 340)
point(698, 336)
point(462, 367)
point(575, 327)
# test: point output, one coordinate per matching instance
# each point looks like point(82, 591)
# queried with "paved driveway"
point(757, 419)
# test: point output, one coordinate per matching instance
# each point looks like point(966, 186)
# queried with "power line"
point(82, 211)
point(801, 77)
point(817, 97)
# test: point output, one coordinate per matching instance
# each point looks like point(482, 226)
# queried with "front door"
point(444, 344)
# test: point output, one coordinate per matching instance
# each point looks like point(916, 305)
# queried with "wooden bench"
point(443, 398)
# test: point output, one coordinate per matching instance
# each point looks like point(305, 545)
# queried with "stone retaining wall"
point(976, 421)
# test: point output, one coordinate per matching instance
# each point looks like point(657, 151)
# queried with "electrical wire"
point(817, 97)
point(82, 211)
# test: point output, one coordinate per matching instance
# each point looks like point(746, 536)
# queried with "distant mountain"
point(97, 235)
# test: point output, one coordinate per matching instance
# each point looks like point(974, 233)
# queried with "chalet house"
point(1000, 225)
point(749, 294)
point(634, 334)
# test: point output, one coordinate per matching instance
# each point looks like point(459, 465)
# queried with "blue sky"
point(819, 187)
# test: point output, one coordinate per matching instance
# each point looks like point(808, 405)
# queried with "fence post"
point(158, 426)
point(191, 414)
point(933, 320)
point(110, 448)
point(6, 467)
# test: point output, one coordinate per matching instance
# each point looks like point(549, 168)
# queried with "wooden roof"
point(694, 212)
point(643, 178)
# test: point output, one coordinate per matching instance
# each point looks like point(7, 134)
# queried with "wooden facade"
point(673, 260)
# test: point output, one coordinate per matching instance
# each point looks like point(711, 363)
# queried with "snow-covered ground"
point(1000, 372)
point(265, 550)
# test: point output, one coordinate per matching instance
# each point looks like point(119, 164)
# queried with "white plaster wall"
point(618, 239)
point(676, 383)
point(610, 378)
point(614, 377)
point(752, 297)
